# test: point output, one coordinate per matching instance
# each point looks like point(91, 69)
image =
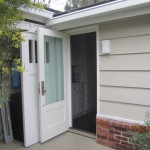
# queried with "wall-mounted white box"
point(105, 46)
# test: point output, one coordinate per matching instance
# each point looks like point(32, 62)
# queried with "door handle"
point(43, 88)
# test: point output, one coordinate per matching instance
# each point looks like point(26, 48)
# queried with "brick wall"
point(115, 134)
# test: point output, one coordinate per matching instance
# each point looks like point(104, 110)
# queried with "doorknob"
point(43, 88)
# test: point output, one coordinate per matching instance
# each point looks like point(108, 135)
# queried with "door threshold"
point(83, 133)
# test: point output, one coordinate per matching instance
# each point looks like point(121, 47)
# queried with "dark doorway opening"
point(16, 102)
point(84, 83)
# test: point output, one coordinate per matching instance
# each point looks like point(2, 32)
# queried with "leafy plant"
point(141, 134)
point(10, 37)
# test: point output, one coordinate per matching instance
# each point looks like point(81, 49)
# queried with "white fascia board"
point(103, 9)
point(122, 14)
point(39, 12)
point(28, 26)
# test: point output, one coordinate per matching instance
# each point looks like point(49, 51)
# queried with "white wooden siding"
point(127, 45)
point(125, 72)
point(126, 95)
point(125, 62)
point(137, 79)
point(123, 110)
point(125, 28)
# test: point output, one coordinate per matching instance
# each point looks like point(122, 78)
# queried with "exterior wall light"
point(105, 46)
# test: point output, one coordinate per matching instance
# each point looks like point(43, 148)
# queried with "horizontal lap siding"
point(133, 27)
point(130, 45)
point(125, 72)
point(135, 79)
point(123, 110)
point(137, 96)
point(125, 62)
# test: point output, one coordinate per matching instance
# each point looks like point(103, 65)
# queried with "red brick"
point(104, 126)
point(108, 122)
point(117, 141)
point(102, 137)
point(110, 135)
point(99, 131)
point(127, 144)
point(120, 147)
point(127, 125)
point(100, 141)
point(115, 132)
point(114, 140)
point(120, 129)
point(127, 135)
point(105, 142)
point(121, 124)
point(102, 121)
point(110, 128)
point(115, 124)
point(121, 138)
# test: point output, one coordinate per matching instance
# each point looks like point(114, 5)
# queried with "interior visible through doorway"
point(84, 91)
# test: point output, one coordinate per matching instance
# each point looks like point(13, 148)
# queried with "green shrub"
point(141, 134)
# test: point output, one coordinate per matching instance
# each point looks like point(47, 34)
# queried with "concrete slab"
point(66, 141)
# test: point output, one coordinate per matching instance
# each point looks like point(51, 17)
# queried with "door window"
point(53, 70)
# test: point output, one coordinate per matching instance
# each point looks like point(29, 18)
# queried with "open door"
point(52, 77)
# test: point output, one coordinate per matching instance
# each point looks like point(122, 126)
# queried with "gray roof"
point(58, 13)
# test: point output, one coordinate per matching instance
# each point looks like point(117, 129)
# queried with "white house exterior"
point(122, 28)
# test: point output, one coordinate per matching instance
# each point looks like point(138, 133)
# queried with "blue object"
point(16, 79)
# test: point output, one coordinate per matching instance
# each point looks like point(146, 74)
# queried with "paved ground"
point(66, 141)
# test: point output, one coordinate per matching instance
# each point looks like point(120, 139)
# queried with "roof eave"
point(39, 12)
point(109, 11)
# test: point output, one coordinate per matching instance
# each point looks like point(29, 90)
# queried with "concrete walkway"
point(66, 141)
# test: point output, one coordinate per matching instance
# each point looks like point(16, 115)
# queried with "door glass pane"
point(36, 57)
point(53, 70)
point(30, 51)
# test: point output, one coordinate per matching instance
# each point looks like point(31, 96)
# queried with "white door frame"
point(77, 31)
point(30, 122)
point(94, 28)
point(28, 138)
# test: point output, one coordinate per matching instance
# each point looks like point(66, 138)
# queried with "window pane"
point(36, 59)
point(30, 51)
point(53, 70)
point(47, 52)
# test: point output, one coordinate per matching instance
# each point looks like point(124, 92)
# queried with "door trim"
point(77, 31)
point(30, 122)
